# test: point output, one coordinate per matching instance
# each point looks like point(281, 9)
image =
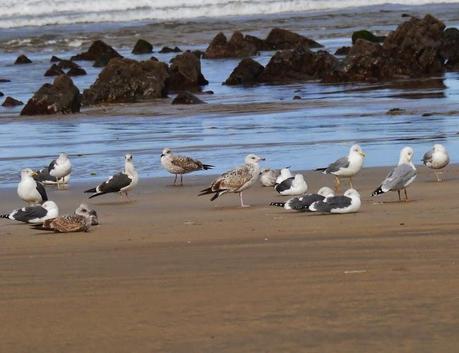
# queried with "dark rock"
point(342, 51)
point(55, 59)
point(54, 70)
point(246, 72)
point(154, 58)
point(100, 52)
point(186, 97)
point(142, 47)
point(165, 50)
point(413, 50)
point(11, 102)
point(450, 48)
point(208, 92)
point(1, 94)
point(406, 15)
point(258, 43)
point(236, 47)
point(366, 35)
point(283, 39)
point(22, 59)
point(76, 71)
point(3, 80)
point(126, 80)
point(60, 97)
point(185, 73)
point(296, 97)
point(198, 53)
point(68, 64)
point(298, 65)
point(396, 111)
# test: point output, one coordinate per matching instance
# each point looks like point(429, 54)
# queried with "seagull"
point(34, 214)
point(60, 168)
point(42, 175)
point(236, 180)
point(84, 209)
point(347, 203)
point(176, 164)
point(302, 203)
point(401, 177)
point(437, 158)
point(285, 173)
point(121, 182)
point(268, 176)
point(346, 167)
point(292, 186)
point(29, 190)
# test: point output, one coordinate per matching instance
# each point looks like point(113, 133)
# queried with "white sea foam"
point(45, 12)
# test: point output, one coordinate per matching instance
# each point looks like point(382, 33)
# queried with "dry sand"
point(171, 272)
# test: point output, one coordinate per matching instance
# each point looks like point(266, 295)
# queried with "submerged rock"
point(236, 47)
point(10, 102)
point(142, 47)
point(366, 35)
point(67, 64)
point(55, 59)
point(343, 51)
point(186, 97)
point(76, 71)
point(100, 52)
point(280, 38)
point(126, 80)
point(62, 96)
point(54, 70)
point(22, 59)
point(165, 50)
point(246, 72)
point(185, 73)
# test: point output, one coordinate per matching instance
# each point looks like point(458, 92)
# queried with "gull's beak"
point(162, 155)
point(362, 154)
point(34, 174)
point(262, 159)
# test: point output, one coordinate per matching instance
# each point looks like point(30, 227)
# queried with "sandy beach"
point(171, 272)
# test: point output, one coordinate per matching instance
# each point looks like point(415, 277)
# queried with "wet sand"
point(171, 272)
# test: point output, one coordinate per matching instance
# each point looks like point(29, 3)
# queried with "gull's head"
point(406, 155)
point(266, 171)
point(438, 148)
point(63, 156)
point(85, 211)
point(325, 191)
point(166, 152)
point(299, 177)
point(285, 172)
point(128, 157)
point(356, 149)
point(50, 206)
point(27, 172)
point(253, 159)
point(352, 193)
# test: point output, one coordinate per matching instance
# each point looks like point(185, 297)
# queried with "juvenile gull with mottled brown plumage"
point(179, 165)
point(236, 180)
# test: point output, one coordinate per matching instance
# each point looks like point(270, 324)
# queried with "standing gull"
point(121, 182)
point(292, 186)
point(348, 203)
point(42, 175)
point(437, 158)
point(60, 168)
point(179, 165)
point(236, 180)
point(29, 190)
point(302, 203)
point(268, 176)
point(79, 222)
point(346, 167)
point(34, 214)
point(401, 177)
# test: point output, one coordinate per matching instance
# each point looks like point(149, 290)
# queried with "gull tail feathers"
point(378, 191)
point(277, 204)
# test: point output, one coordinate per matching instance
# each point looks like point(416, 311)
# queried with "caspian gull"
point(34, 214)
point(346, 167)
point(60, 168)
point(437, 158)
point(348, 203)
point(268, 176)
point(179, 165)
point(29, 190)
point(292, 186)
point(121, 182)
point(302, 203)
point(236, 180)
point(401, 176)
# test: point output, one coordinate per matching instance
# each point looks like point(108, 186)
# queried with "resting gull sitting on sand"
point(60, 168)
point(437, 158)
point(302, 203)
point(81, 221)
point(121, 182)
point(30, 190)
point(179, 165)
point(401, 177)
point(346, 167)
point(34, 214)
point(347, 203)
point(268, 176)
point(293, 186)
point(236, 180)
